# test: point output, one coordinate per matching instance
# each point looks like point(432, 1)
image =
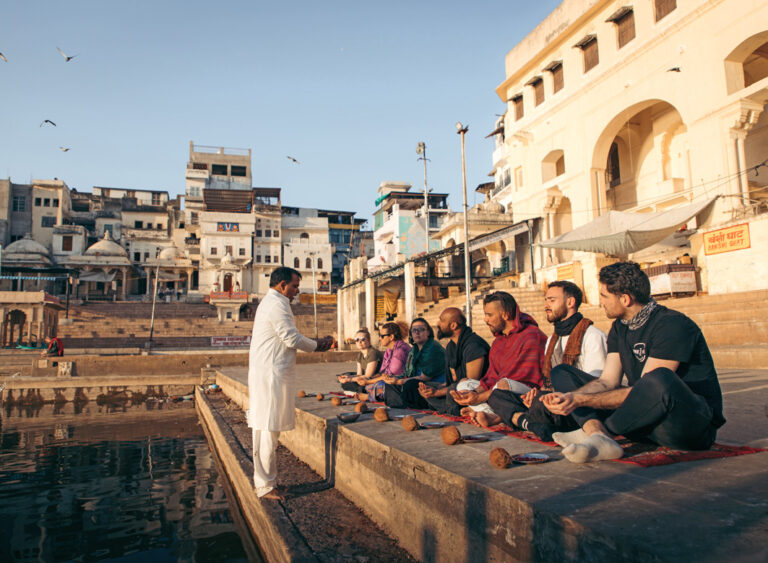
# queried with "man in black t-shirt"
point(466, 355)
point(673, 398)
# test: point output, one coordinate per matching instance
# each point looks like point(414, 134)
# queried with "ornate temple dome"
point(170, 253)
point(25, 248)
point(227, 259)
point(106, 247)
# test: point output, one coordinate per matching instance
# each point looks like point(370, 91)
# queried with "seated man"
point(575, 342)
point(515, 358)
point(466, 356)
point(673, 398)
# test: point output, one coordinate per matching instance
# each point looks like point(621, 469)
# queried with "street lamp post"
point(462, 130)
point(421, 149)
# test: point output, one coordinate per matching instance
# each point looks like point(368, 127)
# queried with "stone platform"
point(449, 503)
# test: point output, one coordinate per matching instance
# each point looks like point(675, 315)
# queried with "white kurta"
point(272, 364)
point(593, 351)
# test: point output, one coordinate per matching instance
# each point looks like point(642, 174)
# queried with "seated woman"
point(426, 362)
point(368, 361)
point(392, 364)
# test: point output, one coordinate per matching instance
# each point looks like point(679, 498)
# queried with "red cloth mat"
point(635, 453)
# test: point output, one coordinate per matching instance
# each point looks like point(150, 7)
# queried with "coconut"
point(361, 407)
point(336, 401)
point(410, 423)
point(450, 435)
point(381, 414)
point(302, 393)
point(500, 458)
point(320, 397)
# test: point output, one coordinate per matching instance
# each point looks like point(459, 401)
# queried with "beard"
point(555, 315)
point(496, 329)
point(441, 334)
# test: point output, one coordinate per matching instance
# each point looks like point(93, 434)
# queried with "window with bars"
point(277, 260)
point(557, 77)
point(625, 28)
point(19, 203)
point(38, 202)
point(517, 103)
point(309, 263)
point(219, 169)
point(66, 243)
point(214, 251)
point(590, 52)
point(538, 91)
point(241, 251)
point(268, 259)
point(664, 8)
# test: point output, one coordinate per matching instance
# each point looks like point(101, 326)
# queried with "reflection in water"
point(136, 486)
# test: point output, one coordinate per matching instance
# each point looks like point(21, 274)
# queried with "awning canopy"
point(619, 233)
point(96, 276)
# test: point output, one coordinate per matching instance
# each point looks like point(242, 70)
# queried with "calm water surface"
point(129, 484)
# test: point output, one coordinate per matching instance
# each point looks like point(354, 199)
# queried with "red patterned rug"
point(635, 453)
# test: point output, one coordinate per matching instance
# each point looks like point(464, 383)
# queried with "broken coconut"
point(320, 397)
point(410, 423)
point(381, 414)
point(450, 435)
point(500, 458)
point(336, 401)
point(302, 393)
point(361, 407)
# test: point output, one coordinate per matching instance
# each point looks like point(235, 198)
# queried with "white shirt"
point(593, 351)
point(272, 364)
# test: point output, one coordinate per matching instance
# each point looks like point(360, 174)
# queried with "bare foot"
point(503, 384)
point(467, 411)
point(361, 396)
point(487, 420)
point(278, 494)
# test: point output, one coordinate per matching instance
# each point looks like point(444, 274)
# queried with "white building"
point(306, 247)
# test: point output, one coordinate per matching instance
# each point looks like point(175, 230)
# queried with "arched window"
point(296, 263)
point(304, 237)
point(613, 170)
point(319, 263)
point(309, 263)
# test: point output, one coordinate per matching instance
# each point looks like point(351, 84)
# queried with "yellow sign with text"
point(726, 240)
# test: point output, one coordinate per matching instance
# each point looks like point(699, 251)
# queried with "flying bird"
point(63, 149)
point(293, 159)
point(66, 58)
point(47, 121)
point(3, 57)
point(674, 69)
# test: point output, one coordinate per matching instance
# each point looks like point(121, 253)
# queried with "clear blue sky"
point(346, 87)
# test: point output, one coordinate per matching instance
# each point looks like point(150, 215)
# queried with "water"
point(99, 484)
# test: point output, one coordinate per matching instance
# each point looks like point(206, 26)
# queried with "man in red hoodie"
point(516, 356)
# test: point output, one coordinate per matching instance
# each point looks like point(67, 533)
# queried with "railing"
point(229, 295)
point(192, 241)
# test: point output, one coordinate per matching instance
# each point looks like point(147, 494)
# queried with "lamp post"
point(314, 289)
point(421, 149)
point(462, 130)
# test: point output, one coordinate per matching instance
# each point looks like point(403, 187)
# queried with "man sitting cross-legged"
point(673, 398)
point(575, 342)
point(466, 356)
point(515, 358)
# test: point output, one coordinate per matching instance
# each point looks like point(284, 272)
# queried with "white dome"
point(170, 253)
point(106, 247)
point(26, 246)
point(227, 259)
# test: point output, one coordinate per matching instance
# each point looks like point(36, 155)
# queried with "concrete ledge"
point(449, 517)
point(276, 535)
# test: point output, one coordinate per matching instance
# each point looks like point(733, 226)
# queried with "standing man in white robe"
point(272, 375)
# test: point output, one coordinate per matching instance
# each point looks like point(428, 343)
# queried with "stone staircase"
point(177, 325)
point(735, 325)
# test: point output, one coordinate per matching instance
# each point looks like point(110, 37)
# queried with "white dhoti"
point(264, 461)
point(467, 384)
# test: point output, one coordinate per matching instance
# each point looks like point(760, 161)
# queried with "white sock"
point(567, 438)
point(595, 447)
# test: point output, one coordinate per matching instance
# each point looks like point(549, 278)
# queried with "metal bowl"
point(348, 416)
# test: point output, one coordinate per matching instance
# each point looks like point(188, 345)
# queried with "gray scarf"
point(642, 316)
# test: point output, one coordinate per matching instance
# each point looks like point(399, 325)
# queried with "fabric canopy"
point(619, 233)
point(96, 276)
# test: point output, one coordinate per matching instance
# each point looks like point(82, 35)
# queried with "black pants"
point(353, 386)
point(660, 408)
point(406, 396)
point(507, 403)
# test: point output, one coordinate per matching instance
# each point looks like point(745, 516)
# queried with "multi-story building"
point(306, 247)
point(342, 228)
point(600, 117)
point(399, 223)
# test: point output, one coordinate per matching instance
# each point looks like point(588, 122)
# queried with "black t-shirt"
point(470, 347)
point(669, 335)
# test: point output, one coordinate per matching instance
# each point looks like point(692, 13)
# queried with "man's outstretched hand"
point(324, 344)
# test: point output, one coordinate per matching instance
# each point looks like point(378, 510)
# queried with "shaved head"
point(450, 316)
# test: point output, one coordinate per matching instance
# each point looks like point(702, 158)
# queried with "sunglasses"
point(381, 335)
point(363, 339)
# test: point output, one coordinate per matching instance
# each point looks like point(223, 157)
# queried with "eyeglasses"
point(363, 339)
point(419, 329)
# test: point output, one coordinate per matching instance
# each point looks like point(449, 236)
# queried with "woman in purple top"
point(392, 364)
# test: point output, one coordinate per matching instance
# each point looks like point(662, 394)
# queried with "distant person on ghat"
point(575, 342)
point(272, 375)
point(515, 359)
point(673, 398)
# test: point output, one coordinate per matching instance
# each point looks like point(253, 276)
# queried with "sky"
point(348, 88)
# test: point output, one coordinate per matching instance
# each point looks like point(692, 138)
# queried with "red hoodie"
point(518, 355)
